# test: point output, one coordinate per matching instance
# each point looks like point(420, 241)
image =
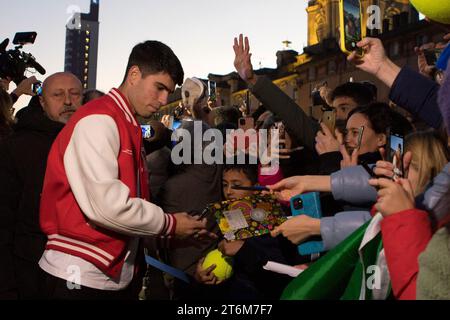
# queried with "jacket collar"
point(123, 105)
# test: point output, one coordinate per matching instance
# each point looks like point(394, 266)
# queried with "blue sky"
point(200, 32)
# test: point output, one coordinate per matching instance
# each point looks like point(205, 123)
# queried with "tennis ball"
point(224, 268)
point(436, 10)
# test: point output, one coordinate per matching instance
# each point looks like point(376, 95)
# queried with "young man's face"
point(343, 105)
point(150, 93)
point(61, 96)
point(235, 178)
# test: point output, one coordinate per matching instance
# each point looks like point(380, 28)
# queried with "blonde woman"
point(406, 230)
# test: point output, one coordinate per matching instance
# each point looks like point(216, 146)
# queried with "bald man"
point(23, 162)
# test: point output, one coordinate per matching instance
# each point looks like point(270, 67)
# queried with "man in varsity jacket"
point(94, 205)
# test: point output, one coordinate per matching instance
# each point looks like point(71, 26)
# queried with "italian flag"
point(356, 269)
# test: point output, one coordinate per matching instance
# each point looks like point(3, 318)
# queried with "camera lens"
point(298, 204)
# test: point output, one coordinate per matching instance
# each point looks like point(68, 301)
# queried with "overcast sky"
point(200, 32)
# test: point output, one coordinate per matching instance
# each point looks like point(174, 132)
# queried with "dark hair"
point(154, 57)
point(362, 93)
point(382, 117)
point(227, 114)
point(249, 170)
point(6, 121)
point(91, 95)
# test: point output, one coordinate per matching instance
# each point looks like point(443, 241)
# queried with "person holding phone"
point(408, 89)
point(362, 145)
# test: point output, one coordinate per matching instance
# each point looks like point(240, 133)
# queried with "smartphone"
point(37, 88)
point(360, 136)
point(247, 103)
point(329, 119)
point(171, 121)
point(281, 133)
point(203, 214)
point(147, 131)
point(212, 90)
point(308, 204)
point(350, 24)
point(394, 152)
point(22, 38)
point(432, 56)
point(252, 188)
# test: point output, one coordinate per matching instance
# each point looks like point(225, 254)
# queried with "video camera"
point(14, 62)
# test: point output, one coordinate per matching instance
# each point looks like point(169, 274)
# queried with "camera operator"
point(22, 168)
point(24, 87)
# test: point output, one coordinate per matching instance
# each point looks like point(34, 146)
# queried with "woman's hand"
point(298, 228)
point(393, 196)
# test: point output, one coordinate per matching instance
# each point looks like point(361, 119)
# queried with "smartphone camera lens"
point(298, 204)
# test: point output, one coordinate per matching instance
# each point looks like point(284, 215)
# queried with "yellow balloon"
point(224, 269)
point(436, 10)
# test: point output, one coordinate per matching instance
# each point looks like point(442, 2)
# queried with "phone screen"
point(37, 88)
point(329, 119)
point(147, 131)
point(352, 24)
point(212, 90)
point(395, 153)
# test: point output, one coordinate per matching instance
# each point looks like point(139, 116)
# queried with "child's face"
point(235, 178)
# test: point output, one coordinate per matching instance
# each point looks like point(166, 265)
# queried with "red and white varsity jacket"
point(93, 199)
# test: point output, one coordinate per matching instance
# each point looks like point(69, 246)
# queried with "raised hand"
point(375, 61)
point(347, 159)
point(242, 59)
point(393, 196)
point(326, 141)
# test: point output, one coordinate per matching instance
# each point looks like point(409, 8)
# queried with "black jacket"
point(23, 160)
point(302, 127)
point(418, 95)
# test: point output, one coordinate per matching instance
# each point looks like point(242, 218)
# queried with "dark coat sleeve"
point(9, 195)
point(297, 121)
point(418, 95)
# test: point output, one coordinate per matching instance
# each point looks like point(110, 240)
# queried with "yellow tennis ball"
point(436, 10)
point(224, 268)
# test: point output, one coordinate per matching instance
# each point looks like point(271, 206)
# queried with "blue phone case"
point(309, 204)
